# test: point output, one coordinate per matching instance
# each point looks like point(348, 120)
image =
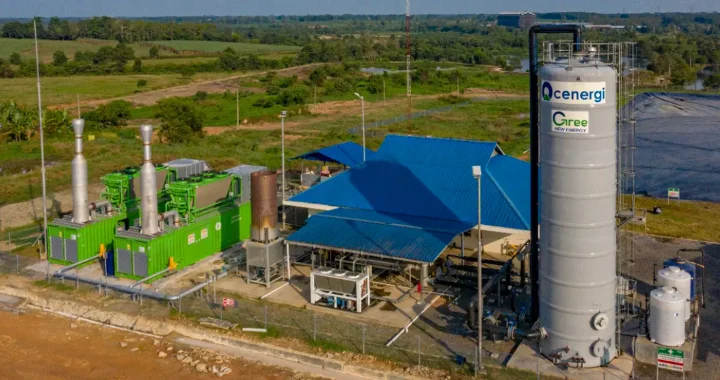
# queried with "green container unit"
point(122, 190)
point(69, 242)
point(138, 256)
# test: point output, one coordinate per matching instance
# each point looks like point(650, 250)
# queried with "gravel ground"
point(653, 250)
point(678, 145)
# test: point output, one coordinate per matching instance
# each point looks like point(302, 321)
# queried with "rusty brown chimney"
point(264, 201)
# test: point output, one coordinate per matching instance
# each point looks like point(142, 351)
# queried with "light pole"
point(362, 102)
point(283, 115)
point(477, 173)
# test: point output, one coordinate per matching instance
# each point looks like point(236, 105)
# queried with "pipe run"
point(535, 153)
point(147, 293)
point(61, 272)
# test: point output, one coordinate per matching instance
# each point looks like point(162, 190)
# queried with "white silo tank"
point(667, 317)
point(578, 179)
point(677, 278)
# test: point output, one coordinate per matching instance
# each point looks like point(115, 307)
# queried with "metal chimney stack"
point(264, 203)
point(81, 211)
point(148, 185)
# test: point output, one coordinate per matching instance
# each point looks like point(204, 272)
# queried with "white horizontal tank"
point(677, 278)
point(667, 317)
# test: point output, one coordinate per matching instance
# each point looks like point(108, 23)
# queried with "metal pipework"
point(148, 185)
point(264, 203)
point(171, 215)
point(81, 211)
point(535, 153)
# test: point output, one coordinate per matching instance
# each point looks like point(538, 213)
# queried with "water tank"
point(667, 317)
point(677, 278)
point(578, 179)
point(688, 267)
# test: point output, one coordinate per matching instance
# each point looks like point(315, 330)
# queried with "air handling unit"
point(205, 217)
point(91, 226)
point(577, 261)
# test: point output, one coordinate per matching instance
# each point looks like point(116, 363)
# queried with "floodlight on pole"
point(477, 173)
point(362, 102)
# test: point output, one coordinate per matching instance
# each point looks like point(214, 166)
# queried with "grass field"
point(47, 48)
point(63, 90)
point(688, 220)
point(217, 46)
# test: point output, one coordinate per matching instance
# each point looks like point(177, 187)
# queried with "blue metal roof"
point(348, 153)
point(431, 178)
point(399, 236)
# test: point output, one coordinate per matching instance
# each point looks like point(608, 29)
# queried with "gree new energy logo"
point(570, 121)
point(574, 92)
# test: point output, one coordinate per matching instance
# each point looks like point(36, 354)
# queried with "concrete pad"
point(646, 351)
point(527, 358)
point(298, 294)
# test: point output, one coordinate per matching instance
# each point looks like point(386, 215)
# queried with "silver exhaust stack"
point(148, 186)
point(81, 210)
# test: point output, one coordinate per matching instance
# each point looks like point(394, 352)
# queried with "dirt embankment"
point(55, 348)
point(24, 213)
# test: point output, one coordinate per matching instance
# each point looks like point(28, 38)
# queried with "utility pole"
point(42, 146)
point(283, 115)
point(315, 87)
point(237, 107)
point(384, 102)
point(408, 52)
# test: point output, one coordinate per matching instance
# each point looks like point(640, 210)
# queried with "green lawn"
point(47, 48)
point(63, 90)
point(217, 46)
point(688, 220)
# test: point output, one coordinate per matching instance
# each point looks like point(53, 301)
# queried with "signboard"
point(573, 92)
point(673, 193)
point(204, 234)
point(191, 239)
point(670, 359)
point(229, 302)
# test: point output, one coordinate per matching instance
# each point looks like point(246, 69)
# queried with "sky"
point(149, 8)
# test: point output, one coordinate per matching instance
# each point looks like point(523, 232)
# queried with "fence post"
point(419, 350)
point(363, 340)
point(265, 317)
point(314, 326)
point(17, 263)
point(537, 369)
point(77, 281)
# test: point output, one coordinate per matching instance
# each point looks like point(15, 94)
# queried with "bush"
point(200, 96)
point(137, 66)
point(290, 97)
point(273, 90)
point(111, 115)
point(264, 103)
point(712, 82)
point(15, 58)
point(187, 72)
point(59, 58)
point(142, 83)
point(154, 52)
point(181, 120)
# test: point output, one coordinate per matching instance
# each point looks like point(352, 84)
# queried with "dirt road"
point(37, 346)
point(212, 86)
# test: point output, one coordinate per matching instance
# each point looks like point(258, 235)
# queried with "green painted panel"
point(211, 233)
point(89, 237)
